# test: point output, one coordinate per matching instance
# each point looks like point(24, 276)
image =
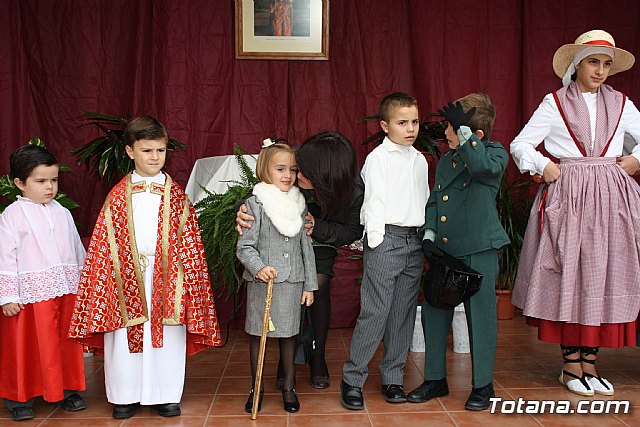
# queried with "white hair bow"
point(267, 143)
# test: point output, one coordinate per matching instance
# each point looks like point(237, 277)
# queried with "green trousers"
point(480, 311)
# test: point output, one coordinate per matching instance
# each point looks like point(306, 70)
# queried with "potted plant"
point(106, 153)
point(217, 220)
point(9, 191)
point(514, 203)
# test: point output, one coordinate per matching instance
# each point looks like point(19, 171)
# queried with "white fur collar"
point(283, 209)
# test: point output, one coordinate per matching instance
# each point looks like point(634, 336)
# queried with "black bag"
point(306, 342)
point(449, 281)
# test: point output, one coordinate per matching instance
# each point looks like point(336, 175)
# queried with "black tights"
point(320, 314)
point(287, 349)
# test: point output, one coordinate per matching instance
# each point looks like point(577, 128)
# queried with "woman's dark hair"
point(144, 127)
point(329, 161)
point(28, 157)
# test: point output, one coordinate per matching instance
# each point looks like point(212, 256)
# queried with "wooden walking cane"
point(266, 327)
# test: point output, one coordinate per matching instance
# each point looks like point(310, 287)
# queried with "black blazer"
point(343, 227)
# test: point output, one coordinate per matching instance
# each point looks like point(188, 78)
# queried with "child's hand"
point(551, 172)
point(307, 298)
point(454, 113)
point(629, 164)
point(11, 309)
point(267, 273)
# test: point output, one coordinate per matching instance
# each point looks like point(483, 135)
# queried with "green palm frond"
point(430, 138)
point(514, 202)
point(106, 154)
point(217, 221)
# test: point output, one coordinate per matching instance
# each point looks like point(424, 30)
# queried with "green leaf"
point(36, 141)
point(106, 154)
point(65, 201)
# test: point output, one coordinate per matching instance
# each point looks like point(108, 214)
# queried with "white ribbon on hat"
point(579, 56)
point(267, 143)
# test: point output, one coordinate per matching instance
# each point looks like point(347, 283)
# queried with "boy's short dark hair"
point(144, 127)
point(485, 114)
point(392, 101)
point(28, 157)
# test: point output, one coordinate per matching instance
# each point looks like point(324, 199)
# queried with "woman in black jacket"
point(330, 180)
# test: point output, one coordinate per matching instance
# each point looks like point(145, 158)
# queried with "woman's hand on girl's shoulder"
point(11, 309)
point(241, 219)
point(310, 222)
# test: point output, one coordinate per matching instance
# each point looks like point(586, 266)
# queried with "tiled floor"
point(218, 381)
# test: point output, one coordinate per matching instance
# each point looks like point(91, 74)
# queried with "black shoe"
point(120, 412)
point(21, 413)
point(168, 409)
point(428, 390)
point(479, 398)
point(393, 393)
point(290, 400)
point(320, 381)
point(73, 403)
point(351, 397)
point(248, 407)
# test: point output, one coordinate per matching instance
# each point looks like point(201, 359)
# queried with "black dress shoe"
point(351, 397)
point(120, 412)
point(479, 398)
point(168, 409)
point(248, 407)
point(72, 403)
point(290, 400)
point(320, 382)
point(393, 393)
point(428, 390)
point(21, 413)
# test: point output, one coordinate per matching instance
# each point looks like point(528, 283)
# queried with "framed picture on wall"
point(282, 29)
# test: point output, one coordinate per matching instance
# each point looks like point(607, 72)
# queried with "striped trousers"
point(388, 299)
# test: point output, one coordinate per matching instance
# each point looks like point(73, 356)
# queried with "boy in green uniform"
point(461, 219)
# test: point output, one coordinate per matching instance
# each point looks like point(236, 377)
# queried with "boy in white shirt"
point(396, 192)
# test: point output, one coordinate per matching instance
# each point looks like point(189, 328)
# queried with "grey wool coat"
point(293, 258)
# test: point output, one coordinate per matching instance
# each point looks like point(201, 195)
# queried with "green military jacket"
point(461, 209)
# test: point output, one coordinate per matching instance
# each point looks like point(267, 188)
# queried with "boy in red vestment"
point(154, 305)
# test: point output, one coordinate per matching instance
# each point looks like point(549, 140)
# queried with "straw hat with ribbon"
point(590, 43)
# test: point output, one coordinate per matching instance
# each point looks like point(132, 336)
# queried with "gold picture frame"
point(282, 29)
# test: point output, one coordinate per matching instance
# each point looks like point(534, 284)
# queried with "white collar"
point(283, 209)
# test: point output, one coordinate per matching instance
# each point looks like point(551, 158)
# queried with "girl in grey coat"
point(277, 247)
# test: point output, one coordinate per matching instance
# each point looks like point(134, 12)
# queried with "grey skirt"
point(285, 308)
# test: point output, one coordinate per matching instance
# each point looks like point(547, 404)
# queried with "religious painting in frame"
point(282, 29)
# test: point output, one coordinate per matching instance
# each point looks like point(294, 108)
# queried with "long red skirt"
point(36, 358)
point(613, 335)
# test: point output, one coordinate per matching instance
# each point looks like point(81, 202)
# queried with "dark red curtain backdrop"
point(175, 59)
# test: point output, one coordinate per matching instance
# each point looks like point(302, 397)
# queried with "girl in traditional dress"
point(41, 256)
point(277, 247)
point(579, 276)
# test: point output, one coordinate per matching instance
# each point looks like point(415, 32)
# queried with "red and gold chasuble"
point(111, 295)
